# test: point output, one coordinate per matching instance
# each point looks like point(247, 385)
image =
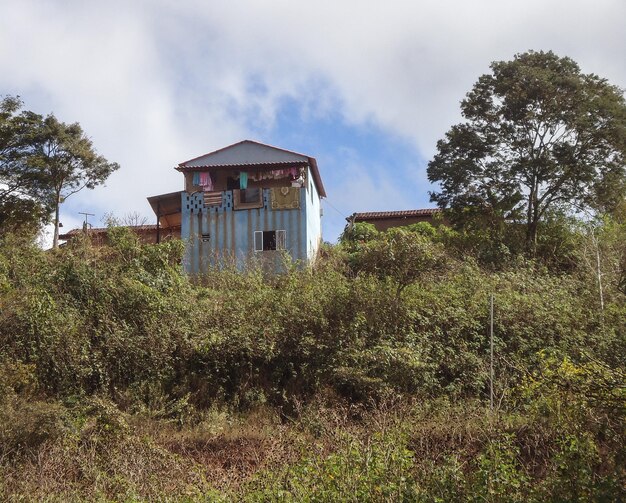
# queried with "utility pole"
point(86, 223)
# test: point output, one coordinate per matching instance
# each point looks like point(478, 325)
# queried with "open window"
point(270, 240)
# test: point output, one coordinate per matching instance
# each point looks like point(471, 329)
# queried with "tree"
point(65, 156)
point(404, 256)
point(24, 200)
point(537, 134)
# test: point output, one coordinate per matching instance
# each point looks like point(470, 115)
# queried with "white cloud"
point(157, 82)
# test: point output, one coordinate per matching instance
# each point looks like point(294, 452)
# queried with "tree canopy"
point(68, 161)
point(538, 134)
point(24, 192)
point(42, 162)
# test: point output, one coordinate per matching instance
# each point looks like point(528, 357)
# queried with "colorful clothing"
point(206, 182)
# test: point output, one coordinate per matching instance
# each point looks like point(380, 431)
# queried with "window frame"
point(280, 238)
point(238, 205)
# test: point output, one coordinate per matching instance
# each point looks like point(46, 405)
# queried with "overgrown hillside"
point(363, 379)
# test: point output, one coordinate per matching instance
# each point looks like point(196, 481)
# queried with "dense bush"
point(95, 341)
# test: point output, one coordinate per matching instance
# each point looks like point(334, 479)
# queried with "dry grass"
point(157, 460)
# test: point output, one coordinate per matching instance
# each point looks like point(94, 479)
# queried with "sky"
point(367, 88)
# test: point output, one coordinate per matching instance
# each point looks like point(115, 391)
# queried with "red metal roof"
point(381, 215)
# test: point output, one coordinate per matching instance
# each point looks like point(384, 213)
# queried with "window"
point(249, 195)
point(248, 198)
point(270, 240)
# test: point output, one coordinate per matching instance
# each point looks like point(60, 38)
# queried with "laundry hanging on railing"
point(243, 180)
point(275, 174)
point(196, 178)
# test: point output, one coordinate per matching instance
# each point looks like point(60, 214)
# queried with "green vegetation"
point(539, 136)
point(363, 379)
point(42, 163)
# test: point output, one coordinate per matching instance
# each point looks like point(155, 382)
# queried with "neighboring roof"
point(167, 207)
point(104, 230)
point(383, 215)
point(253, 153)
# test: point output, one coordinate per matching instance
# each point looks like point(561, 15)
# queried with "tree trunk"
point(532, 218)
point(55, 239)
point(531, 237)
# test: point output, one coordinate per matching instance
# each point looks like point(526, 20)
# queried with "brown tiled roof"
point(103, 230)
point(382, 215)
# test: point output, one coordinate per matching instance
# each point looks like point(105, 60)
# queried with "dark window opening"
point(232, 183)
point(270, 240)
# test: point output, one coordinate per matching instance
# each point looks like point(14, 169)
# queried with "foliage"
point(121, 378)
point(372, 470)
point(538, 134)
point(357, 232)
point(42, 162)
point(65, 157)
point(24, 198)
point(401, 255)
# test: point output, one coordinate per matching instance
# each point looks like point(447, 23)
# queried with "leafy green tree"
point(42, 162)
point(359, 232)
point(538, 134)
point(404, 256)
point(65, 156)
point(24, 200)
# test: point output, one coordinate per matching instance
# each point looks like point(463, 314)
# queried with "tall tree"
point(65, 156)
point(537, 134)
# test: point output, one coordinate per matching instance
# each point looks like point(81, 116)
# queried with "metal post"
point(491, 357)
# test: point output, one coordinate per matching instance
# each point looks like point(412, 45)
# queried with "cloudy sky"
point(365, 87)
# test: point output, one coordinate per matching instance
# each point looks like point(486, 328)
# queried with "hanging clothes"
point(196, 178)
point(206, 182)
point(243, 180)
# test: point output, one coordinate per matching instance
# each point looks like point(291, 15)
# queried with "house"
point(384, 220)
point(247, 201)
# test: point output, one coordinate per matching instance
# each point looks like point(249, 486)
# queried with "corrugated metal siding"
point(231, 232)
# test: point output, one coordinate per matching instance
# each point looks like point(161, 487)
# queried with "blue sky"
point(365, 87)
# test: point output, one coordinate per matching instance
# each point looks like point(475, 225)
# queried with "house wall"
point(313, 210)
point(231, 232)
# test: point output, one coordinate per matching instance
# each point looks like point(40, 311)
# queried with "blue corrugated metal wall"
point(229, 234)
